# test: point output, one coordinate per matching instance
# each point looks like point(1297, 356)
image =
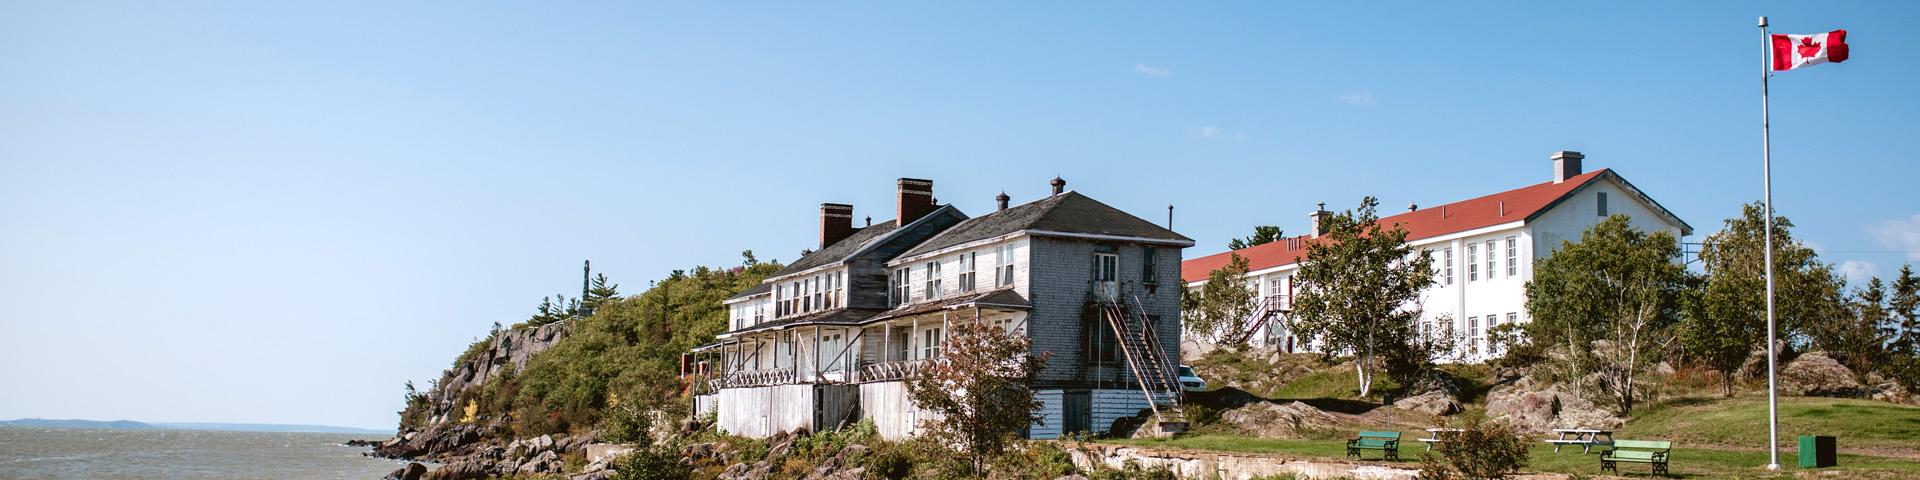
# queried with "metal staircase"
point(1268, 308)
point(1141, 346)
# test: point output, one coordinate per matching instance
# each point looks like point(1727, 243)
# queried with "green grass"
point(1742, 422)
point(1716, 438)
point(1688, 463)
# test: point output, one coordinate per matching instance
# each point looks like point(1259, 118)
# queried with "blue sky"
point(244, 212)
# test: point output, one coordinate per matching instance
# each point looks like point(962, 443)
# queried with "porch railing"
point(759, 378)
point(886, 371)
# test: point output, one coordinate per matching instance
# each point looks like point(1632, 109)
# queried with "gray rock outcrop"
point(1272, 420)
point(1816, 374)
point(1540, 411)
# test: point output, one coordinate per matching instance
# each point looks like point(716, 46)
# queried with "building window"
point(759, 311)
point(930, 343)
point(1490, 261)
point(1513, 257)
point(1449, 265)
point(1602, 197)
point(933, 279)
point(1150, 267)
point(1105, 347)
point(1003, 258)
point(1473, 334)
point(818, 295)
point(967, 261)
point(1473, 262)
point(902, 286)
point(839, 288)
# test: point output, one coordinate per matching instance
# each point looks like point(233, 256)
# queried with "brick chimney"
point(1058, 185)
point(1566, 165)
point(1002, 198)
point(836, 223)
point(1319, 217)
point(916, 200)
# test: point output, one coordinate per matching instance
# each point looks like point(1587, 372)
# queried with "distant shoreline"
point(225, 427)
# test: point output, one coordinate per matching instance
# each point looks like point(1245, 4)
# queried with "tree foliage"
point(628, 349)
point(1809, 297)
point(1262, 234)
point(978, 389)
point(1219, 308)
point(1724, 322)
point(1613, 299)
point(1481, 450)
point(1357, 292)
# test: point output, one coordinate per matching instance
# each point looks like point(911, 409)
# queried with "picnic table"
point(1441, 434)
point(1585, 437)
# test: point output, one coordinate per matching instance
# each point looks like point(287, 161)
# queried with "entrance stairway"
point(1142, 348)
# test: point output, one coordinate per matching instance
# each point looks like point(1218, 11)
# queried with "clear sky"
point(279, 213)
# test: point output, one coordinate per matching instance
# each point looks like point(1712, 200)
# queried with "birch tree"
point(1357, 290)
point(1218, 310)
point(1613, 297)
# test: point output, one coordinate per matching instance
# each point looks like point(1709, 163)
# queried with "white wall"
point(758, 412)
point(950, 270)
point(886, 403)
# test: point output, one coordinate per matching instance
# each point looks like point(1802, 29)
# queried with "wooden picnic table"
point(1585, 437)
point(1441, 434)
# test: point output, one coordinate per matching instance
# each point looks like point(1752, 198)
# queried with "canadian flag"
point(1795, 51)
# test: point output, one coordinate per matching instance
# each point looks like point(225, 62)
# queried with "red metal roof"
point(1504, 207)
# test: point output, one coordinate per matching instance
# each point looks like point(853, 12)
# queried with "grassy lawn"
point(1688, 463)
point(1742, 422)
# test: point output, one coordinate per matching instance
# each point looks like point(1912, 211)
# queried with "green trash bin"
point(1817, 452)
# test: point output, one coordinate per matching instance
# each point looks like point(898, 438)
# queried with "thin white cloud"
point(1858, 273)
point(1360, 98)
point(1158, 72)
point(1210, 132)
point(1899, 235)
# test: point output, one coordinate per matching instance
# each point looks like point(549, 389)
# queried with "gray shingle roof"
point(756, 289)
point(1068, 212)
point(838, 251)
point(840, 316)
point(1002, 297)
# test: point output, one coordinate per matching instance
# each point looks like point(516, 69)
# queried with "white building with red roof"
point(1484, 250)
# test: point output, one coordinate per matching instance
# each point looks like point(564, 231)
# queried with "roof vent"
point(1058, 185)
point(1411, 207)
point(1002, 199)
point(1566, 165)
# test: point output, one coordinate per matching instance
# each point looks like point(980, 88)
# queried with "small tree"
point(1721, 327)
point(1482, 450)
point(601, 292)
point(978, 389)
point(1613, 297)
point(1219, 309)
point(1357, 293)
point(1262, 235)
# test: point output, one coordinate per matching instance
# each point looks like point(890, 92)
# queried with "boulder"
point(463, 470)
point(545, 462)
point(1431, 403)
point(412, 471)
point(1194, 348)
point(1538, 412)
point(1272, 420)
point(1816, 374)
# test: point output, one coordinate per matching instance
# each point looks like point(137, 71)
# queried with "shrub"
point(628, 425)
point(655, 463)
point(1483, 451)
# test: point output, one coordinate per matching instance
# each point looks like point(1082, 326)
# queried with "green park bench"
point(1637, 451)
point(1388, 442)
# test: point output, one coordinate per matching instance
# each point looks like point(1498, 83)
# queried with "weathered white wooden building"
point(1483, 249)
point(832, 338)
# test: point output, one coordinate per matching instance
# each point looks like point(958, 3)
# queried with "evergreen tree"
point(1357, 293)
point(1262, 234)
point(601, 292)
point(1613, 297)
point(1904, 312)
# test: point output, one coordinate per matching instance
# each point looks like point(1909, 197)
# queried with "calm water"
point(49, 452)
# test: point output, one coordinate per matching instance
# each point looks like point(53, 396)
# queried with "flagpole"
point(1766, 166)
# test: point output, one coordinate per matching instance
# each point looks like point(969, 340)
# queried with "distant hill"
point(42, 422)
point(236, 427)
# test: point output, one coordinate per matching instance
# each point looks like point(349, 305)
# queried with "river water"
point(113, 453)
